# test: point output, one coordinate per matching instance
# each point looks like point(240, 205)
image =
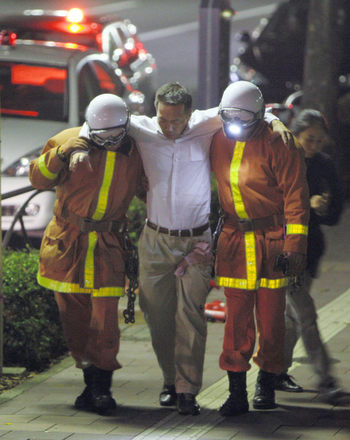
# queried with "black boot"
point(84, 401)
point(237, 401)
point(102, 400)
point(265, 391)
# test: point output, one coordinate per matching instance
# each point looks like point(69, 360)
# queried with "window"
point(33, 91)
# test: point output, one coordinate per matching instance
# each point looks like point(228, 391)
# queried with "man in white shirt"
point(174, 146)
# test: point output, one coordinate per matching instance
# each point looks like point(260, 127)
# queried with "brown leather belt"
point(178, 232)
point(86, 224)
point(246, 224)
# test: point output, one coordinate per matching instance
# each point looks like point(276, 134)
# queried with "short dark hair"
point(306, 119)
point(174, 94)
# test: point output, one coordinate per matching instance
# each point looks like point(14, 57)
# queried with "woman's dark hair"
point(306, 119)
point(174, 94)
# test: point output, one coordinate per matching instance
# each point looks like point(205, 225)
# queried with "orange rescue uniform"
point(81, 250)
point(264, 195)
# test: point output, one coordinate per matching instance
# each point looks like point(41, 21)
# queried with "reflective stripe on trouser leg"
point(270, 305)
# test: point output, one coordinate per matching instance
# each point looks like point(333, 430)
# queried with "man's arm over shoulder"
point(47, 170)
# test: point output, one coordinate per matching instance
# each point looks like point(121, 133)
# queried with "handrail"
point(17, 192)
point(20, 212)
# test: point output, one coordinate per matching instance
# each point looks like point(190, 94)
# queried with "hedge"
point(32, 335)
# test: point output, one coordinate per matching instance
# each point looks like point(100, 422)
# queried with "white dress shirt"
point(178, 170)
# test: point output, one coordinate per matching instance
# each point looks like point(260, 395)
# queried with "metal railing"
point(19, 214)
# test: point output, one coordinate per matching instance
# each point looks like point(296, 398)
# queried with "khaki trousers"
point(240, 333)
point(91, 329)
point(301, 321)
point(174, 307)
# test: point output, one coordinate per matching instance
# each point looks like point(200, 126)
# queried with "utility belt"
point(246, 224)
point(119, 227)
point(86, 224)
point(195, 232)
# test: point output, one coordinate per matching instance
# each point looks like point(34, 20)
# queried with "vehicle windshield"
point(33, 91)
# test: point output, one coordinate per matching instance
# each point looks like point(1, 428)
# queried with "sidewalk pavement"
point(41, 408)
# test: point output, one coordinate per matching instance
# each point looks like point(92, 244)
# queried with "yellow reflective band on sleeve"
point(234, 169)
point(239, 283)
point(89, 270)
point(63, 287)
point(297, 229)
point(43, 169)
point(107, 180)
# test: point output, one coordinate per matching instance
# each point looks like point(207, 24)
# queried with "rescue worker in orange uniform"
point(263, 193)
point(82, 256)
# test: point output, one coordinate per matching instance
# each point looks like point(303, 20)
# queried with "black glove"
point(290, 263)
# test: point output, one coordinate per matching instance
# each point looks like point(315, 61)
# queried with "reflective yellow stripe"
point(107, 180)
point(89, 271)
point(59, 286)
point(234, 168)
point(43, 169)
point(249, 237)
point(89, 267)
point(239, 283)
point(297, 229)
point(108, 291)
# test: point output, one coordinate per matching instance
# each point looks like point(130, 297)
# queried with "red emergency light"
point(7, 38)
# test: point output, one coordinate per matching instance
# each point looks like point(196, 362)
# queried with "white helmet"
point(241, 109)
point(107, 117)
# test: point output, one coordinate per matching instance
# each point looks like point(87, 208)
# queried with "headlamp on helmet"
point(241, 109)
point(107, 117)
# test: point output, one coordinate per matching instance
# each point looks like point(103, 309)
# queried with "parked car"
point(45, 88)
point(110, 34)
point(272, 57)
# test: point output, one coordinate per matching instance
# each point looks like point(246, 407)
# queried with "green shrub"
point(137, 214)
point(32, 330)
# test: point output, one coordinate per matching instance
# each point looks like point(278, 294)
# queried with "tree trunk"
point(323, 56)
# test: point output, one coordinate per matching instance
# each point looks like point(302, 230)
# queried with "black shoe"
point(284, 382)
point(102, 400)
point(84, 401)
point(234, 406)
point(330, 391)
point(167, 396)
point(104, 404)
point(187, 404)
point(265, 391)
point(237, 401)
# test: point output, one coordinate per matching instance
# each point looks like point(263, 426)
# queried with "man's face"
point(172, 119)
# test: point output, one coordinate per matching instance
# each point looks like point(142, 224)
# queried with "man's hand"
point(320, 203)
point(79, 157)
point(280, 131)
point(74, 143)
